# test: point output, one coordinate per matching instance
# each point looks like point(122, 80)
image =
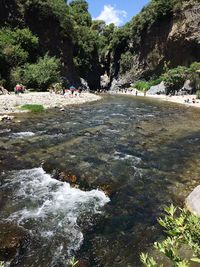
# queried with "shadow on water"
point(149, 152)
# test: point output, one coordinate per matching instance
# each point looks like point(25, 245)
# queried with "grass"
point(33, 108)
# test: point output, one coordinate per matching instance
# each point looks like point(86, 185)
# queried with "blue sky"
point(116, 11)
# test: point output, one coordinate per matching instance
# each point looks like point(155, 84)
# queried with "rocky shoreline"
point(11, 103)
point(185, 100)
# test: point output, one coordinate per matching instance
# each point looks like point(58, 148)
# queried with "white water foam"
point(50, 209)
point(22, 134)
point(123, 156)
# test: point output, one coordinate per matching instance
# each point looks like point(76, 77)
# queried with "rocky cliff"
point(173, 39)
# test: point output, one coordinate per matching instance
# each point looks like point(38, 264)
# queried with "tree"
point(17, 47)
point(40, 75)
point(79, 11)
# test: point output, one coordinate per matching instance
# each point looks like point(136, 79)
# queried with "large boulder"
point(187, 87)
point(3, 91)
point(157, 89)
point(193, 201)
point(105, 81)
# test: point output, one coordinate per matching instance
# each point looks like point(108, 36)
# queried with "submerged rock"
point(193, 201)
point(12, 239)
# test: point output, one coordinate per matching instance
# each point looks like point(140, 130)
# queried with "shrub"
point(39, 75)
point(142, 85)
point(182, 228)
point(155, 82)
point(198, 94)
point(33, 108)
point(174, 78)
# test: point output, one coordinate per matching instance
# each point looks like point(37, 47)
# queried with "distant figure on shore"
point(19, 88)
point(79, 91)
point(136, 92)
point(72, 90)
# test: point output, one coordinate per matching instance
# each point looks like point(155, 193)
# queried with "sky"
point(115, 11)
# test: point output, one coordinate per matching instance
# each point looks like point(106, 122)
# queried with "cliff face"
point(47, 28)
point(173, 39)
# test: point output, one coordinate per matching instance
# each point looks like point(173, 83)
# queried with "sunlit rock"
point(193, 201)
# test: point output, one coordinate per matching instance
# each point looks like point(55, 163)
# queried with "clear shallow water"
point(148, 152)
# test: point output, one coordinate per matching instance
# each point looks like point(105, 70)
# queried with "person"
point(72, 89)
point(79, 91)
point(136, 92)
point(193, 100)
point(18, 89)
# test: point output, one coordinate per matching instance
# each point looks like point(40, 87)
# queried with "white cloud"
point(111, 15)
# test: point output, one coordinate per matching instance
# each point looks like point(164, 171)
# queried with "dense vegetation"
point(181, 247)
point(173, 79)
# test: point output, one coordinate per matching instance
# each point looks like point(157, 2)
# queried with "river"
point(145, 152)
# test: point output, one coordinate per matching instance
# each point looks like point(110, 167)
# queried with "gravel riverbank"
point(11, 103)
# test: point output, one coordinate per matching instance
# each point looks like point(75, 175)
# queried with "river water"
point(145, 151)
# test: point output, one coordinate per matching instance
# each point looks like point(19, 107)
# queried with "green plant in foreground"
point(182, 229)
point(2, 264)
point(73, 262)
point(33, 108)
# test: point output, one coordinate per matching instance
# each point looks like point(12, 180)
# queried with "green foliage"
point(141, 86)
point(148, 16)
point(155, 82)
point(148, 261)
point(195, 66)
point(86, 57)
point(182, 228)
point(126, 62)
point(198, 94)
point(33, 108)
point(39, 75)
point(73, 262)
point(174, 78)
point(52, 9)
point(79, 11)
point(16, 46)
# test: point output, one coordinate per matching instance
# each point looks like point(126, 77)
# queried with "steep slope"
point(172, 39)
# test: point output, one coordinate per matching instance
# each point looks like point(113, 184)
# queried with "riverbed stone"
point(193, 201)
point(6, 118)
point(12, 239)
